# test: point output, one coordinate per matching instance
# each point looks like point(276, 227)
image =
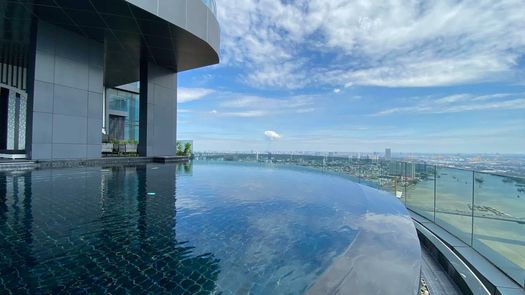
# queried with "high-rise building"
point(410, 170)
point(388, 154)
point(403, 169)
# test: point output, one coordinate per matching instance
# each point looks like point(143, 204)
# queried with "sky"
point(436, 76)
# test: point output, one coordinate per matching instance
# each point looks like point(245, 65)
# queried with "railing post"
point(472, 206)
point(359, 170)
point(435, 195)
point(405, 183)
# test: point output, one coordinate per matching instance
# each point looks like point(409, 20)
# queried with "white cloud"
point(245, 114)
point(191, 94)
point(393, 43)
point(231, 104)
point(337, 90)
point(240, 105)
point(306, 110)
point(272, 135)
point(460, 103)
point(251, 101)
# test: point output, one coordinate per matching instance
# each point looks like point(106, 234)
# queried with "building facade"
point(388, 154)
point(77, 73)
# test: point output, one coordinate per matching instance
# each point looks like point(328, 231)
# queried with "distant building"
point(410, 170)
point(396, 169)
point(388, 154)
point(403, 169)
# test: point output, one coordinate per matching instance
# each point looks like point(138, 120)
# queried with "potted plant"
point(187, 149)
point(131, 146)
point(107, 147)
point(115, 143)
point(180, 150)
point(119, 146)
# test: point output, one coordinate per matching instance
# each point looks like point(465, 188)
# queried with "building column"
point(4, 109)
point(65, 103)
point(158, 111)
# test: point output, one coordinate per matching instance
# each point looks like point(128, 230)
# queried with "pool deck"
point(6, 165)
point(437, 279)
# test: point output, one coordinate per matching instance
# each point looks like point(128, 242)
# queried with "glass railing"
point(486, 211)
point(211, 5)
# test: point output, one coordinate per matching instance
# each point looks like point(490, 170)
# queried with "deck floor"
point(438, 281)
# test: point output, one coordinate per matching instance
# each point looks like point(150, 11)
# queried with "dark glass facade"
point(123, 115)
point(13, 106)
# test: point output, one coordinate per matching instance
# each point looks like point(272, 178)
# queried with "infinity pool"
point(201, 228)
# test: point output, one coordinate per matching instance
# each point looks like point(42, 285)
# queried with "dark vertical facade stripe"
point(17, 121)
point(142, 148)
point(13, 68)
point(30, 82)
point(4, 105)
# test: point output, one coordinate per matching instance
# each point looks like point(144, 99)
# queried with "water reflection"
point(97, 231)
point(227, 229)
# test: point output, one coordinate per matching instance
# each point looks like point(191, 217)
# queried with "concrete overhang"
point(176, 34)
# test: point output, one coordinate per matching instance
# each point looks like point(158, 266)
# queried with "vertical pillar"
point(4, 99)
point(65, 96)
point(158, 111)
point(30, 82)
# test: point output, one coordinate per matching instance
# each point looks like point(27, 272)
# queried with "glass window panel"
point(123, 103)
point(11, 122)
point(22, 123)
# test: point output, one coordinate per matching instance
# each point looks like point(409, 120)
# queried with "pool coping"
point(66, 163)
point(460, 259)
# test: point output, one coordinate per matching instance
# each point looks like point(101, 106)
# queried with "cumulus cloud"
point(191, 94)
point(272, 135)
point(294, 44)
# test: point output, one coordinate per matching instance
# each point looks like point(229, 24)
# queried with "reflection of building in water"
point(97, 230)
point(16, 225)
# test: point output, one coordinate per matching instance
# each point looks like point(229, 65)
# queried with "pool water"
point(179, 228)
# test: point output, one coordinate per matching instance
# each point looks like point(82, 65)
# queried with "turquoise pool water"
point(180, 229)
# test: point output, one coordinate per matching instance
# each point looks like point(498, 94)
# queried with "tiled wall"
point(191, 15)
point(161, 109)
point(67, 109)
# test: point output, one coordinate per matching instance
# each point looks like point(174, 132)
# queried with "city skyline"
point(418, 78)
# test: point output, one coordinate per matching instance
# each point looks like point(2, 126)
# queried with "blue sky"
point(360, 76)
